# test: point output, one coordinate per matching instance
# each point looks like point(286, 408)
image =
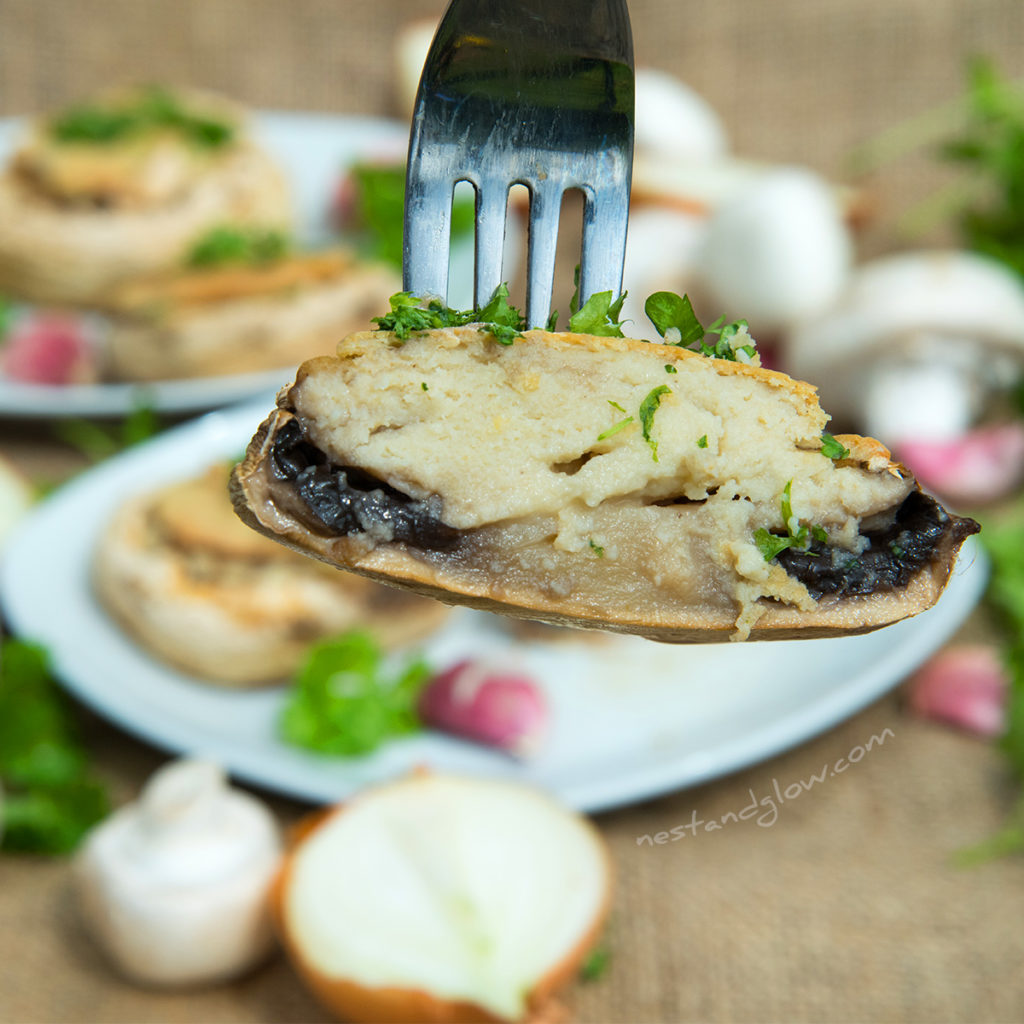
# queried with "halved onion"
point(443, 899)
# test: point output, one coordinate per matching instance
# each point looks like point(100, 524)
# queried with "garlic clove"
point(964, 686)
point(174, 887)
point(443, 899)
point(777, 252)
point(487, 704)
point(982, 466)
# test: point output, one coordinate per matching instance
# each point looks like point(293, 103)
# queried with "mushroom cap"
point(922, 306)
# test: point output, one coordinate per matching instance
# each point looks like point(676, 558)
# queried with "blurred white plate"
point(313, 150)
point(630, 718)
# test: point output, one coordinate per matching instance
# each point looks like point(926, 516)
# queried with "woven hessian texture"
point(843, 906)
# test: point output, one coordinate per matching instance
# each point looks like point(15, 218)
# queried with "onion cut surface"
point(442, 898)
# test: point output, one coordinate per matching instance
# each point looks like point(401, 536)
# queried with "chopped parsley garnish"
point(797, 536)
point(228, 245)
point(344, 702)
point(423, 384)
point(596, 548)
point(153, 109)
point(648, 407)
point(409, 316)
point(702, 442)
point(599, 314)
point(831, 448)
point(669, 368)
point(675, 320)
point(51, 796)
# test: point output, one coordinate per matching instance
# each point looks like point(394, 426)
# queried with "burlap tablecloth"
point(842, 905)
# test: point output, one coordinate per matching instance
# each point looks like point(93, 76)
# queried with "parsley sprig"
point(991, 149)
point(798, 535)
point(599, 315)
point(379, 210)
point(51, 795)
point(411, 315)
point(675, 320)
point(344, 701)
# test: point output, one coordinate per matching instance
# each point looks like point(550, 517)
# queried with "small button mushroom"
point(950, 323)
point(777, 251)
point(175, 886)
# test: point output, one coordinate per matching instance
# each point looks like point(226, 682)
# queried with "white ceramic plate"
point(630, 718)
point(313, 150)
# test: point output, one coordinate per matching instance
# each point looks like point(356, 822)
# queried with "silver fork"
point(530, 92)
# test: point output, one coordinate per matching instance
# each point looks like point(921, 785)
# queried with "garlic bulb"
point(778, 251)
point(175, 886)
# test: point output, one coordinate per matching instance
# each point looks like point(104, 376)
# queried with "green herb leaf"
point(613, 430)
point(51, 795)
point(673, 315)
point(675, 320)
point(99, 441)
point(343, 703)
point(596, 548)
point(598, 316)
point(702, 442)
point(228, 245)
point(596, 964)
point(379, 210)
point(669, 368)
point(648, 407)
point(770, 544)
point(153, 109)
point(991, 149)
point(831, 448)
point(6, 316)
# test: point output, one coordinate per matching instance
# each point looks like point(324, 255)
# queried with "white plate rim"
point(918, 638)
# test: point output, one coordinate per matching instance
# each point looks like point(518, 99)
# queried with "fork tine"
point(491, 210)
point(428, 214)
point(605, 218)
point(545, 209)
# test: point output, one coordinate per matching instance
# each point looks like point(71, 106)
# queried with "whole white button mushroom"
point(175, 886)
point(915, 345)
point(778, 251)
point(675, 121)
